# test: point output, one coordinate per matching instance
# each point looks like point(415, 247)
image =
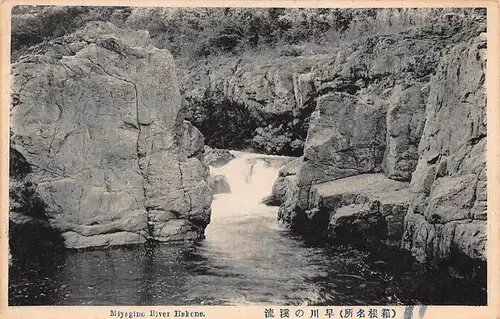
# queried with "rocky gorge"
point(373, 144)
point(390, 130)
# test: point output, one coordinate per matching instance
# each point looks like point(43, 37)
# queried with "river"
point(247, 258)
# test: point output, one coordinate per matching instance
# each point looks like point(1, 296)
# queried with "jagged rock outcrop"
point(285, 183)
point(95, 117)
point(255, 105)
point(395, 147)
point(267, 104)
point(447, 214)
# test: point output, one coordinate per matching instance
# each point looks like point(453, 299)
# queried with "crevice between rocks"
point(149, 223)
point(186, 193)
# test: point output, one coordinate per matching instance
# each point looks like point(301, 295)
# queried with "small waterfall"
point(251, 178)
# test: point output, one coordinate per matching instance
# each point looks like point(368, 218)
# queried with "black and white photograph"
point(235, 156)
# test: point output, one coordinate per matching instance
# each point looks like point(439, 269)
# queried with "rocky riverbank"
point(400, 159)
point(387, 133)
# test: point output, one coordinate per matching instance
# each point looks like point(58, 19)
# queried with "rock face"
point(267, 105)
point(404, 122)
point(254, 105)
point(395, 147)
point(447, 214)
point(95, 118)
point(346, 137)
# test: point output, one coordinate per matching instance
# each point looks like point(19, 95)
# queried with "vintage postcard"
point(235, 159)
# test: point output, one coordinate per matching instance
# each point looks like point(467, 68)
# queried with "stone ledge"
point(351, 210)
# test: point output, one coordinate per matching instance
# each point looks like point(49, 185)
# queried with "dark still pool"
point(246, 258)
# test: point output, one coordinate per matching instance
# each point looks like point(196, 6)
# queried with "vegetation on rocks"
point(392, 96)
point(203, 32)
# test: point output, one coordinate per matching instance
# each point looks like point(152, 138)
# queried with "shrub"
point(35, 24)
point(194, 33)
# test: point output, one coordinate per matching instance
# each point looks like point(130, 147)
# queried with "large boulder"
point(346, 137)
point(361, 208)
point(356, 209)
point(96, 119)
point(447, 212)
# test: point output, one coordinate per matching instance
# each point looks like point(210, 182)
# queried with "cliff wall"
point(265, 101)
point(395, 147)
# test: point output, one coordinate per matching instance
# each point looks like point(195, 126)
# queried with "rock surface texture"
point(447, 213)
point(395, 146)
point(95, 121)
point(267, 105)
point(252, 104)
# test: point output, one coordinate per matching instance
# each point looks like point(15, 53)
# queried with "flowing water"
point(246, 258)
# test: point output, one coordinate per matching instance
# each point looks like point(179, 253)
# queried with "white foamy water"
point(251, 179)
point(247, 258)
point(245, 240)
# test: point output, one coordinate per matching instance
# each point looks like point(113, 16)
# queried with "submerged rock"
point(219, 184)
point(96, 119)
point(217, 157)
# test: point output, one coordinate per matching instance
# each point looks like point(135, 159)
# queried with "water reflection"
point(246, 258)
point(182, 275)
